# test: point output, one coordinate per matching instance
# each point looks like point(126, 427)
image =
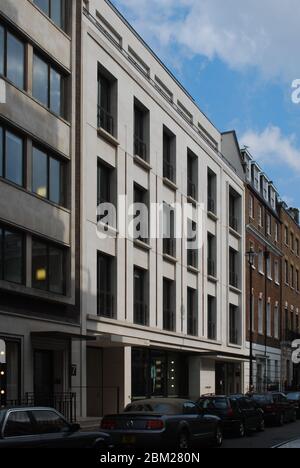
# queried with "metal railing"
point(169, 320)
point(140, 148)
point(234, 336)
point(64, 403)
point(211, 205)
point(105, 304)
point(211, 270)
point(169, 172)
point(169, 247)
point(192, 190)
point(233, 279)
point(211, 331)
point(192, 326)
point(234, 223)
point(141, 314)
point(105, 120)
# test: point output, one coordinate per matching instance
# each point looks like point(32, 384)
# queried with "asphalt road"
point(272, 436)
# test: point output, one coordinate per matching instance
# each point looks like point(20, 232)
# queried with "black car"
point(239, 415)
point(277, 408)
point(45, 428)
point(162, 424)
point(294, 397)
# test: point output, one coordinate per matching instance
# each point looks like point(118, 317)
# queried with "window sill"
point(107, 229)
point(234, 289)
point(193, 270)
point(170, 184)
point(234, 345)
point(235, 233)
point(170, 259)
point(262, 273)
point(142, 245)
point(192, 200)
point(212, 216)
point(212, 279)
point(140, 162)
point(108, 137)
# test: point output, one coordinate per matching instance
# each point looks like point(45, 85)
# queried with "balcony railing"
point(65, 403)
point(105, 120)
point(211, 269)
point(211, 331)
point(141, 314)
point(192, 326)
point(169, 320)
point(233, 280)
point(140, 148)
point(234, 223)
point(192, 190)
point(169, 172)
point(211, 205)
point(106, 304)
point(169, 247)
point(234, 336)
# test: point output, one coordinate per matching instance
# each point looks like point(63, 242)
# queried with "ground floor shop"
point(266, 369)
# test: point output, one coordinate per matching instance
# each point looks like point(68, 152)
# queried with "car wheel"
point(261, 426)
point(241, 430)
point(183, 441)
point(218, 439)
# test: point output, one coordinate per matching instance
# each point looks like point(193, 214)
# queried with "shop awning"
point(63, 335)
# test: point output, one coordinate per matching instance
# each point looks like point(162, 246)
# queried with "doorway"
point(94, 370)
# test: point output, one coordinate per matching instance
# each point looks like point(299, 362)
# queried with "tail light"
point(108, 425)
point(155, 425)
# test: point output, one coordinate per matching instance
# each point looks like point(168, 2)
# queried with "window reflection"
point(15, 60)
point(55, 92)
point(2, 50)
point(14, 158)
point(47, 174)
point(47, 267)
point(11, 256)
point(54, 9)
point(40, 80)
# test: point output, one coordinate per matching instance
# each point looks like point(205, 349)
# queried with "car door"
point(18, 431)
point(53, 429)
point(201, 424)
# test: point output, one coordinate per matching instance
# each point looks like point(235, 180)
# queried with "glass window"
point(14, 158)
point(15, 60)
point(39, 173)
point(55, 181)
point(2, 34)
point(43, 5)
point(13, 257)
point(55, 91)
point(57, 12)
point(56, 273)
point(39, 265)
point(1, 151)
point(18, 424)
point(47, 267)
point(40, 83)
point(49, 422)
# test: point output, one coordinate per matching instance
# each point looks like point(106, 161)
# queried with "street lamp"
point(251, 254)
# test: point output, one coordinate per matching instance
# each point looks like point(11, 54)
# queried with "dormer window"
point(255, 177)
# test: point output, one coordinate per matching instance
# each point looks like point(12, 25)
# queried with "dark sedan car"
point(277, 408)
point(239, 415)
point(45, 428)
point(294, 397)
point(163, 424)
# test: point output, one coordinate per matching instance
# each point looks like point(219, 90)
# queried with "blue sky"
point(238, 60)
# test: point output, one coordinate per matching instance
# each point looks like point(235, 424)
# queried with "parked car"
point(294, 397)
point(277, 408)
point(239, 414)
point(39, 427)
point(162, 424)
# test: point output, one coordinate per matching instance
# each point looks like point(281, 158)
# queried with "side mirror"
point(75, 427)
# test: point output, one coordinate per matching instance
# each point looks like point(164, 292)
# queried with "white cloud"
point(259, 33)
point(273, 148)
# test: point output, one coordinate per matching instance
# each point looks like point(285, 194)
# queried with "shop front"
point(10, 370)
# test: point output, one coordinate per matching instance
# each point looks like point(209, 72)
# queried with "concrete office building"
point(39, 225)
point(167, 322)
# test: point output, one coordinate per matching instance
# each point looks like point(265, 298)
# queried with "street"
point(272, 436)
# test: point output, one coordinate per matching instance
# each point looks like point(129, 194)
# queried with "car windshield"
point(219, 403)
point(293, 396)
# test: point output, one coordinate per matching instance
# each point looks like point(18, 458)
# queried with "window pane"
point(43, 5)
point(1, 255)
point(13, 257)
point(48, 422)
point(55, 91)
point(39, 173)
point(40, 80)
point(18, 424)
point(15, 60)
point(1, 152)
point(55, 181)
point(1, 50)
point(14, 158)
point(57, 12)
point(56, 273)
point(39, 265)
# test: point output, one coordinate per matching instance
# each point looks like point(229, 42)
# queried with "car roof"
point(169, 401)
point(27, 408)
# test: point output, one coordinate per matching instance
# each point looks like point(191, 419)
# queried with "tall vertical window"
point(276, 236)
point(141, 213)
point(286, 235)
point(211, 192)
point(169, 301)
point(47, 176)
point(292, 241)
point(286, 272)
point(233, 324)
point(269, 319)
point(192, 251)
point(141, 131)
point(141, 315)
point(192, 175)
point(11, 156)
point(192, 320)
point(234, 210)
point(276, 322)
point(261, 267)
point(47, 85)
point(211, 318)
point(269, 267)
point(260, 216)
point(106, 305)
point(297, 281)
point(211, 255)
point(233, 268)
point(105, 190)
point(169, 155)
point(251, 206)
point(55, 9)
point(48, 267)
point(12, 58)
point(276, 272)
point(107, 101)
point(269, 225)
point(12, 250)
point(169, 244)
point(260, 317)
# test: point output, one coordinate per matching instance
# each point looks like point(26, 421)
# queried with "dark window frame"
point(9, 30)
point(48, 246)
point(169, 311)
point(141, 302)
point(108, 293)
point(4, 229)
point(19, 135)
point(63, 13)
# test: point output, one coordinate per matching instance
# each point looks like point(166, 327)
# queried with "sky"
point(238, 59)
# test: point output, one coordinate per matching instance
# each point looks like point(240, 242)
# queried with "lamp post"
point(251, 259)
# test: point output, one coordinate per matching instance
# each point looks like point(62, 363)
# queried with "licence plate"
point(128, 440)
